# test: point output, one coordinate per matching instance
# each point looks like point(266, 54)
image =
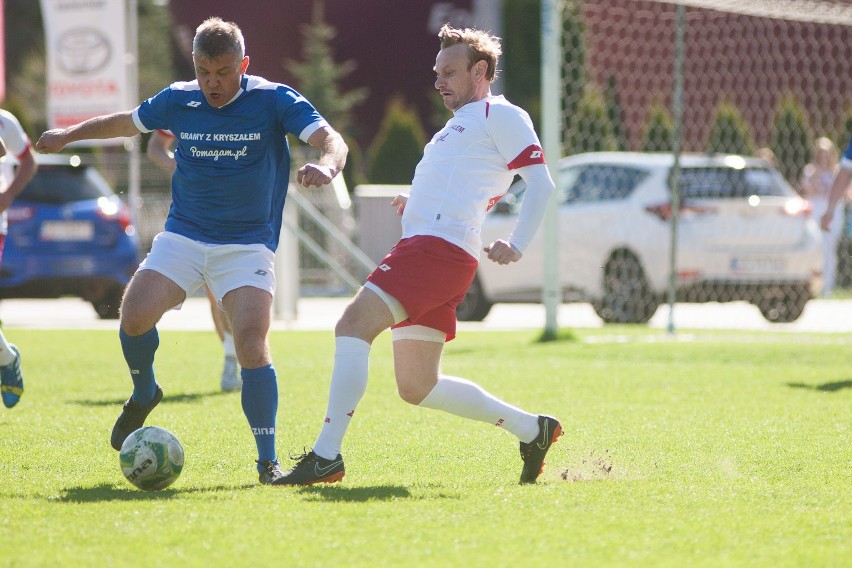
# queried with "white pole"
point(677, 103)
point(286, 299)
point(132, 144)
point(551, 130)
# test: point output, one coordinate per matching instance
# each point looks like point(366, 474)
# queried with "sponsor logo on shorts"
point(384, 267)
point(499, 422)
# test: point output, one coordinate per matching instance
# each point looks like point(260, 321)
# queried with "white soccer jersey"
point(15, 141)
point(466, 168)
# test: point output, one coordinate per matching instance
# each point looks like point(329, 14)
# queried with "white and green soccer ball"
point(151, 458)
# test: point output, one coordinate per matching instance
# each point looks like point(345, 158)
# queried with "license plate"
point(67, 231)
point(760, 265)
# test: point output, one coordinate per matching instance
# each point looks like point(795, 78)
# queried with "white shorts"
point(191, 264)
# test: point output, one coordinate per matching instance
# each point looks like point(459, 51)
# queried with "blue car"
point(69, 235)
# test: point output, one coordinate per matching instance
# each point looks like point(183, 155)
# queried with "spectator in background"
point(815, 184)
point(767, 155)
point(16, 143)
point(839, 188)
point(159, 152)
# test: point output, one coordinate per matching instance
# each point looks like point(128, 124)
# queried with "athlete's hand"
point(399, 202)
point(51, 141)
point(502, 252)
point(825, 220)
point(316, 175)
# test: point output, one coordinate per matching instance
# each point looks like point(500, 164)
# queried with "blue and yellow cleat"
point(11, 381)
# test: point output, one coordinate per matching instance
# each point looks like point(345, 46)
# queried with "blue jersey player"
point(228, 190)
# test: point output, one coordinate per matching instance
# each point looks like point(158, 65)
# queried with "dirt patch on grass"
point(593, 468)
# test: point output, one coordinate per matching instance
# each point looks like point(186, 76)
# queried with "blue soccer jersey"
point(233, 162)
point(846, 161)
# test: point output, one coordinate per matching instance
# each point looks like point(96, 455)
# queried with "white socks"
point(348, 384)
point(6, 353)
point(466, 399)
point(228, 345)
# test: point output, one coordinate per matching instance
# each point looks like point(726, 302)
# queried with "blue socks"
point(139, 353)
point(260, 405)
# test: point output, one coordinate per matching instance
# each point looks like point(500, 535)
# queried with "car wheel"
point(475, 305)
point(782, 304)
point(108, 306)
point(627, 296)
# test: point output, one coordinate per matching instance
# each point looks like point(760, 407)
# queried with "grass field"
point(707, 449)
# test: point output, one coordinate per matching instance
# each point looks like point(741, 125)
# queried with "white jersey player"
point(17, 144)
point(465, 168)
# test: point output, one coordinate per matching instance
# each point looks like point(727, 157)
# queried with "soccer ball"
point(151, 458)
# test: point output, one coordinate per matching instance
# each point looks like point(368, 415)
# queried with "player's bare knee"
point(412, 393)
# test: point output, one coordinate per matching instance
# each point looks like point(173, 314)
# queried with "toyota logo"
point(83, 50)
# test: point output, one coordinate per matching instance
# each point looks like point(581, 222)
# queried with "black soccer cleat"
point(132, 418)
point(311, 469)
point(270, 473)
point(533, 453)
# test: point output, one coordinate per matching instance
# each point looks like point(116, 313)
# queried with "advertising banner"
point(87, 70)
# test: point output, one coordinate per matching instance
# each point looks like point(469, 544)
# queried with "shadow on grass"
point(181, 397)
point(825, 387)
point(356, 494)
point(108, 492)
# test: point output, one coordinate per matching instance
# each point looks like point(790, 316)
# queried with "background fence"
point(762, 78)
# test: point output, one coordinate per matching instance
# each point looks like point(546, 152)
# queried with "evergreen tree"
point(730, 133)
point(791, 138)
point(616, 114)
point(573, 68)
point(659, 128)
point(521, 54)
point(397, 147)
point(318, 76)
point(592, 131)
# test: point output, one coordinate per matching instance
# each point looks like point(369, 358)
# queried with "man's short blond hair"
point(482, 46)
point(216, 37)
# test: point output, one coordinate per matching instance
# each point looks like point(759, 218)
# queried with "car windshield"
point(726, 183)
point(63, 184)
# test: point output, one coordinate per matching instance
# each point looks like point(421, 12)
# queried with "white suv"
point(743, 234)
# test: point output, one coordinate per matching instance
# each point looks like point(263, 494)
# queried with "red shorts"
point(429, 277)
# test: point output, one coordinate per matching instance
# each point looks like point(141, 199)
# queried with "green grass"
point(711, 449)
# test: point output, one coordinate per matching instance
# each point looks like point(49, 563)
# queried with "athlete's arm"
point(107, 126)
point(539, 187)
point(838, 189)
point(333, 151)
point(159, 150)
point(27, 167)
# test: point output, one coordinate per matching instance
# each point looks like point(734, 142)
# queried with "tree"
point(591, 131)
point(398, 145)
point(522, 54)
point(615, 114)
point(791, 138)
point(318, 78)
point(658, 129)
point(730, 133)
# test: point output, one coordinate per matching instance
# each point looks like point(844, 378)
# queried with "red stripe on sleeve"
point(23, 152)
point(532, 154)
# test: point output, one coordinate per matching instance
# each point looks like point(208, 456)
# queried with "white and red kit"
point(465, 169)
point(17, 144)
